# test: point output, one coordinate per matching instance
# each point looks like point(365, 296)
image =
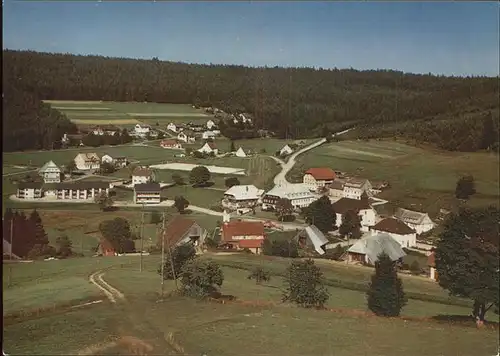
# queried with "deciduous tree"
point(200, 278)
point(118, 232)
point(180, 255)
point(321, 214)
point(231, 181)
point(199, 176)
point(284, 208)
point(465, 188)
point(467, 257)
point(104, 201)
point(351, 225)
point(304, 285)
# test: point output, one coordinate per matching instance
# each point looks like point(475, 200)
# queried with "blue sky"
point(459, 38)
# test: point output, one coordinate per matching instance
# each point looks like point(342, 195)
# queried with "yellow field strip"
point(105, 121)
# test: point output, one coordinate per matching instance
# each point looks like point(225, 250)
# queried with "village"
point(240, 229)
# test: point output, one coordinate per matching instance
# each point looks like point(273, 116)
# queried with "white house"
point(362, 207)
point(29, 190)
point(240, 153)
point(336, 189)
point(185, 138)
point(172, 127)
point(209, 147)
point(118, 161)
point(355, 187)
point(286, 150)
point(50, 172)
point(242, 196)
point(142, 175)
point(315, 178)
point(147, 193)
point(420, 222)
point(245, 119)
point(299, 195)
point(142, 130)
point(210, 124)
point(398, 230)
point(87, 161)
point(207, 135)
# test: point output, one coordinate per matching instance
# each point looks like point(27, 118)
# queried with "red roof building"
point(170, 144)
point(243, 234)
point(105, 248)
point(315, 178)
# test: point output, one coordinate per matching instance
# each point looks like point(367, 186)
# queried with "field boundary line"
point(344, 311)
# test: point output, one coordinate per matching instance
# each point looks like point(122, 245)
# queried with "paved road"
point(280, 179)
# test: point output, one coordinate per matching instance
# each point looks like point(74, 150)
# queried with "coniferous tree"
point(385, 294)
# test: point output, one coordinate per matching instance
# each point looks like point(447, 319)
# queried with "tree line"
point(28, 239)
point(292, 102)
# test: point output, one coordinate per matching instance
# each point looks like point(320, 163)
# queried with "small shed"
point(312, 237)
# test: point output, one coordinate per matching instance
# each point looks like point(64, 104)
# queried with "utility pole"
point(162, 235)
point(11, 235)
point(142, 237)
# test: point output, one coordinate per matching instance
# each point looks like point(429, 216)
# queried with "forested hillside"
point(289, 101)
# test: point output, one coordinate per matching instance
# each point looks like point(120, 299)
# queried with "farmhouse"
point(210, 124)
point(209, 147)
point(141, 130)
point(29, 190)
point(239, 235)
point(362, 207)
point(367, 250)
point(142, 175)
point(180, 231)
point(172, 127)
point(106, 248)
point(336, 189)
point(240, 153)
point(118, 161)
point(50, 172)
point(286, 150)
point(87, 161)
point(171, 144)
point(318, 177)
point(81, 190)
point(299, 195)
point(312, 238)
point(105, 130)
point(398, 230)
point(241, 196)
point(420, 222)
point(208, 135)
point(147, 193)
point(355, 187)
point(185, 138)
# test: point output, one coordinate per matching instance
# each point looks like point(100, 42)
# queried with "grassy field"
point(422, 179)
point(220, 329)
point(127, 113)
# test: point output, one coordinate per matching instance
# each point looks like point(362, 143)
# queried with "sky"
point(443, 38)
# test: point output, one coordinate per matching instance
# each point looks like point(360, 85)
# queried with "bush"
point(260, 275)
point(281, 248)
point(305, 285)
point(201, 279)
point(41, 251)
point(385, 294)
point(415, 267)
point(180, 256)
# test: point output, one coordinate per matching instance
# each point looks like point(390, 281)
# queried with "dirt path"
point(111, 292)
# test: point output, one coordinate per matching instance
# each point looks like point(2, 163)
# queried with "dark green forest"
point(453, 113)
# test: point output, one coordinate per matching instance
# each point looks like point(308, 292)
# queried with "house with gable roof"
point(209, 147)
point(368, 249)
point(242, 196)
point(238, 234)
point(142, 175)
point(398, 230)
point(312, 238)
point(355, 187)
point(240, 153)
point(50, 172)
point(181, 230)
point(87, 161)
point(315, 178)
point(362, 207)
point(420, 222)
